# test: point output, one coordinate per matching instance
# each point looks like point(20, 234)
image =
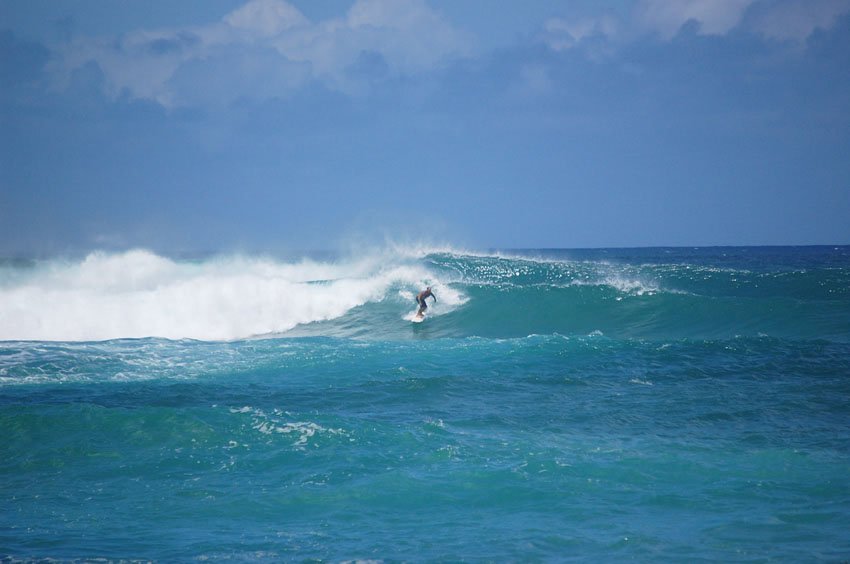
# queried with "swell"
point(582, 310)
point(647, 294)
point(507, 296)
point(698, 273)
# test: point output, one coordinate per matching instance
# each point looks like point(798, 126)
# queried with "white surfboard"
point(417, 318)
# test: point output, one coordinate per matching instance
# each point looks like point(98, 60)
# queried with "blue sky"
point(271, 125)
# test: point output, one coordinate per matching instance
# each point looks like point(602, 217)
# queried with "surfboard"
point(417, 318)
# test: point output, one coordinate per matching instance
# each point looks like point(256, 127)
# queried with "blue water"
point(605, 405)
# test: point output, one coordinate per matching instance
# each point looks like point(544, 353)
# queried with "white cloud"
point(793, 20)
point(225, 75)
point(408, 35)
point(778, 19)
point(561, 34)
point(266, 48)
point(666, 17)
point(405, 14)
point(796, 19)
point(533, 82)
point(266, 17)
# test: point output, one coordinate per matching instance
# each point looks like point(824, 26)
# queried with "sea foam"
point(140, 294)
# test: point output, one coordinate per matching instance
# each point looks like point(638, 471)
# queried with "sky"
point(272, 125)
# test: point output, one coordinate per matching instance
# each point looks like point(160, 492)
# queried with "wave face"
point(645, 293)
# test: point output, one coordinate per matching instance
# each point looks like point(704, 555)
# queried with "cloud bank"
point(266, 49)
point(269, 49)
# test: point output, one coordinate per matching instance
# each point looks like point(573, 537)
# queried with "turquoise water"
point(647, 404)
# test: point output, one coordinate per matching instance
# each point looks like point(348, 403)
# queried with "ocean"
point(664, 404)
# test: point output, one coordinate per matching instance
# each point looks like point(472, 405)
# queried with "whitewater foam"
point(141, 294)
point(623, 285)
point(277, 422)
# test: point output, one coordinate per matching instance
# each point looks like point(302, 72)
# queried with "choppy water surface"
point(650, 404)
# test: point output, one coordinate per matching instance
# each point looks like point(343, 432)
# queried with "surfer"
point(420, 299)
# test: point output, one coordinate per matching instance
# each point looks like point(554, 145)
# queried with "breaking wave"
point(140, 294)
point(652, 294)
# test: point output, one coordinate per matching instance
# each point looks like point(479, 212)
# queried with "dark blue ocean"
point(650, 405)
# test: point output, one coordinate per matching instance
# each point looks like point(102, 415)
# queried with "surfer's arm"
point(433, 296)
